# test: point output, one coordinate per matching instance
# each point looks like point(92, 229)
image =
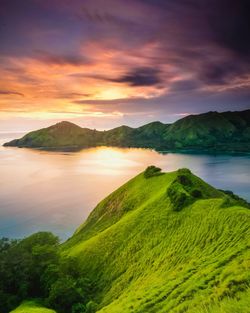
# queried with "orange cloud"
point(48, 84)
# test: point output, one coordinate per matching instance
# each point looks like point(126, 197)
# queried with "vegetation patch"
point(184, 190)
point(152, 171)
point(179, 198)
point(34, 268)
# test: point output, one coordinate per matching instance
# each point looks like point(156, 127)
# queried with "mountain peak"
point(65, 124)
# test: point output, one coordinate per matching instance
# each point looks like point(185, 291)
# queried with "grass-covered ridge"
point(161, 243)
point(32, 307)
point(166, 243)
point(212, 131)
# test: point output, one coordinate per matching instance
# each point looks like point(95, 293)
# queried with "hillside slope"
point(212, 131)
point(31, 307)
point(63, 134)
point(166, 242)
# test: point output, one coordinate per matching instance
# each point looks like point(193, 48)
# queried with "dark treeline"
point(34, 268)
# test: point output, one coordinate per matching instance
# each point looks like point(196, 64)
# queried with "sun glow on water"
point(57, 190)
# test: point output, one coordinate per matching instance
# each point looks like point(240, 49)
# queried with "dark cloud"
point(221, 73)
point(11, 92)
point(215, 36)
point(143, 76)
point(184, 85)
point(97, 16)
point(230, 23)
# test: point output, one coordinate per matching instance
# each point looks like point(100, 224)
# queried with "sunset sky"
point(103, 63)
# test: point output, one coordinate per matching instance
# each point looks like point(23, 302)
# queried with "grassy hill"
point(212, 131)
point(31, 307)
point(161, 243)
point(63, 134)
point(166, 242)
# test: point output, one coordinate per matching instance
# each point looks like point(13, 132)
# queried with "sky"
point(103, 63)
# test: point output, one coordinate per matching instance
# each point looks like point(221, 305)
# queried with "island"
point(208, 132)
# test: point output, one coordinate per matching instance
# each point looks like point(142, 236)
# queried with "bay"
point(56, 191)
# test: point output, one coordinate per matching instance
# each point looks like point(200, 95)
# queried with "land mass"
point(162, 242)
point(212, 131)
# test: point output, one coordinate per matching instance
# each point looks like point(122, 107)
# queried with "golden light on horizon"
point(45, 87)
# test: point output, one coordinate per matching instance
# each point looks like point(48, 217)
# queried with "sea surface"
point(55, 191)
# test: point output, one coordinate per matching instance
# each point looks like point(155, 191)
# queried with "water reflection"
point(55, 191)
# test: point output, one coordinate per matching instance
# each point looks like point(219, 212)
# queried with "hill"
point(161, 243)
point(166, 242)
point(61, 135)
point(212, 131)
point(31, 307)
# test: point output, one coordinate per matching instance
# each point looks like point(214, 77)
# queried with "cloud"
point(144, 76)
point(11, 92)
point(111, 102)
point(61, 59)
point(184, 85)
point(157, 56)
point(222, 73)
point(141, 76)
point(230, 24)
point(74, 95)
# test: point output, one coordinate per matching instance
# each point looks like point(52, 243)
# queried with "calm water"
point(56, 191)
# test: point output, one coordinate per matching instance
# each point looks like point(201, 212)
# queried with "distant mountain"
point(166, 242)
point(212, 131)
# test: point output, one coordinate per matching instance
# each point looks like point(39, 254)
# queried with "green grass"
point(146, 254)
point(31, 307)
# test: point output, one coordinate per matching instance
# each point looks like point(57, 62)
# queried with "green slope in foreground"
point(166, 243)
point(31, 307)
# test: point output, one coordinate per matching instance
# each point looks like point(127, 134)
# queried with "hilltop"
point(166, 242)
point(212, 131)
point(161, 243)
point(32, 307)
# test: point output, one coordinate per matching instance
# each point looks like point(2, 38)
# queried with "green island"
point(209, 132)
point(161, 243)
